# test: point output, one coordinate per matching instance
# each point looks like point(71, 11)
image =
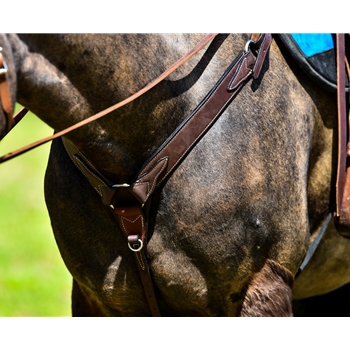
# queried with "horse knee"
point(269, 292)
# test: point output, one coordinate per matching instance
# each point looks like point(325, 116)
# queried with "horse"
point(231, 225)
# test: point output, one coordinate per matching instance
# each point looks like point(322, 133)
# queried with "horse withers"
point(230, 227)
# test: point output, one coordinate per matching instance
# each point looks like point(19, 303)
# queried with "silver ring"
point(139, 248)
point(246, 48)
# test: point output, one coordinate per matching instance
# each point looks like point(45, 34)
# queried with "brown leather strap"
point(177, 64)
point(19, 116)
point(342, 214)
point(179, 144)
point(132, 218)
point(342, 121)
point(5, 94)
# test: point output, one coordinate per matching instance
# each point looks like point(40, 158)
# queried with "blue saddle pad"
point(315, 54)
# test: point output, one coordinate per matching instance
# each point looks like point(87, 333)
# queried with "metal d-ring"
point(139, 248)
point(246, 48)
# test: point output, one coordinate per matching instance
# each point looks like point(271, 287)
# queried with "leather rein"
point(7, 105)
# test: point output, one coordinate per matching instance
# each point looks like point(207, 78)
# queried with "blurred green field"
point(33, 278)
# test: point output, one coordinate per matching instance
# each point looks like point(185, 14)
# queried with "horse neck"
point(64, 79)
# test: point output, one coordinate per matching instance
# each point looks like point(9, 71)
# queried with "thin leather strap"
point(19, 116)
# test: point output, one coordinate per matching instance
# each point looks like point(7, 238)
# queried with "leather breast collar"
point(130, 203)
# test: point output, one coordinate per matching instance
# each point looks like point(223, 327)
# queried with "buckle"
point(126, 197)
point(121, 185)
point(107, 193)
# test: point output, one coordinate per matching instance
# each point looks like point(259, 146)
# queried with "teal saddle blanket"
point(315, 54)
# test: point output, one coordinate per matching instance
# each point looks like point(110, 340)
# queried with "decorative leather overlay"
point(146, 183)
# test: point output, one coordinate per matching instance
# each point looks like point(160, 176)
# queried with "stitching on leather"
point(87, 161)
point(233, 85)
point(200, 135)
point(138, 254)
point(149, 191)
point(262, 51)
point(140, 260)
point(141, 183)
point(239, 66)
point(156, 177)
point(93, 167)
point(132, 222)
point(79, 164)
point(98, 188)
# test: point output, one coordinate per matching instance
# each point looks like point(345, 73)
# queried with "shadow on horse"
point(228, 229)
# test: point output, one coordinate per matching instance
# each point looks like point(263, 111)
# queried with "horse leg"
point(84, 304)
point(269, 292)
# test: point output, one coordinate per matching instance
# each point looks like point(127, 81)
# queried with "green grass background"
point(33, 278)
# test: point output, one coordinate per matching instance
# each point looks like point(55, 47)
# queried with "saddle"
point(316, 56)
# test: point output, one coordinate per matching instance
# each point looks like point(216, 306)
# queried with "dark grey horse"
point(230, 227)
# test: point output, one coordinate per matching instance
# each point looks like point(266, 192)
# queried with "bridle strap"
point(130, 202)
point(176, 65)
